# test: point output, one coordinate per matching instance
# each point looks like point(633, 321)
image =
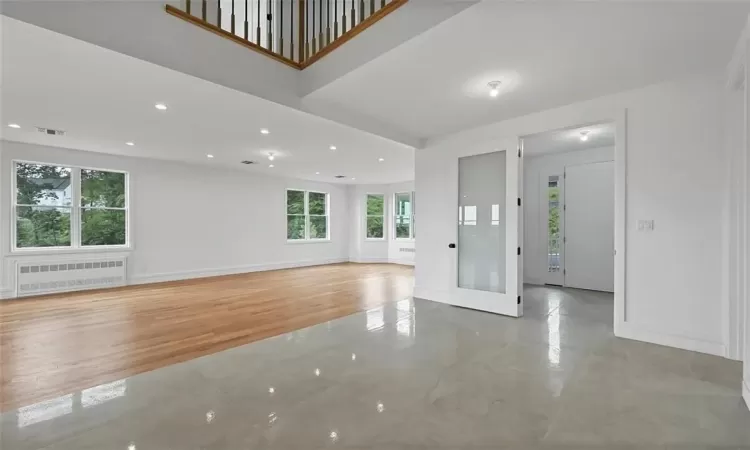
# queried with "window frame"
point(307, 239)
point(76, 210)
point(384, 216)
point(396, 216)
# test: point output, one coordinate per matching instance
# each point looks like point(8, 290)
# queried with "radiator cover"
point(74, 274)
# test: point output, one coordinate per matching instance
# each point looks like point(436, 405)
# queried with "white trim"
point(204, 273)
point(6, 293)
point(746, 394)
point(638, 333)
point(308, 241)
point(394, 210)
point(369, 260)
point(306, 214)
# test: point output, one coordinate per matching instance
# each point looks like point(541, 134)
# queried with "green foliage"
point(102, 189)
point(295, 202)
point(316, 204)
point(375, 213)
point(295, 227)
point(375, 227)
point(553, 225)
point(402, 227)
point(42, 227)
point(102, 227)
point(318, 227)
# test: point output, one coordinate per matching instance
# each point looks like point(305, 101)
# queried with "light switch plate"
point(645, 225)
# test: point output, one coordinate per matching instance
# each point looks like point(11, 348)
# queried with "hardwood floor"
point(53, 345)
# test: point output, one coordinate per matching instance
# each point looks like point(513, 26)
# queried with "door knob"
point(451, 245)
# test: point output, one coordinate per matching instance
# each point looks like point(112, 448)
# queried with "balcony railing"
point(295, 32)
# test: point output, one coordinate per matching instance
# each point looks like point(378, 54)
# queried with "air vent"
point(340, 176)
point(50, 131)
point(248, 162)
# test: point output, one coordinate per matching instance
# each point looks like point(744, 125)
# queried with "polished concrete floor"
point(412, 374)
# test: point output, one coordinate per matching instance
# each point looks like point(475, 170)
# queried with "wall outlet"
point(645, 225)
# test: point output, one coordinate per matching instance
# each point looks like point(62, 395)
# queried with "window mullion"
point(75, 210)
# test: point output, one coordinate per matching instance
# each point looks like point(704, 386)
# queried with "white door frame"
point(617, 116)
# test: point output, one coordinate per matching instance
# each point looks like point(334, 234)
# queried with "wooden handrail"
point(306, 55)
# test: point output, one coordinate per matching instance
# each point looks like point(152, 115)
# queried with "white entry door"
point(488, 231)
point(589, 226)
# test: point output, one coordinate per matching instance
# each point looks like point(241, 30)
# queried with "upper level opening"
point(294, 32)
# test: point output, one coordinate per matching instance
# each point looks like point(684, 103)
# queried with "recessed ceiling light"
point(271, 157)
point(161, 106)
point(381, 159)
point(333, 147)
point(14, 125)
point(130, 143)
point(209, 156)
point(353, 178)
point(584, 136)
point(494, 88)
point(317, 173)
point(271, 166)
point(264, 131)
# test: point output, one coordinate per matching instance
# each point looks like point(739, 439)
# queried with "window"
point(404, 215)
point(375, 216)
point(69, 207)
point(306, 215)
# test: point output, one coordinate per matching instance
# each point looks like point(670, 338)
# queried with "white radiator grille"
point(34, 278)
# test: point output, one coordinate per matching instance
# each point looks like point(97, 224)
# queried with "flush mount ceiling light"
point(584, 136)
point(161, 106)
point(333, 147)
point(14, 125)
point(494, 88)
point(264, 131)
point(130, 143)
point(271, 156)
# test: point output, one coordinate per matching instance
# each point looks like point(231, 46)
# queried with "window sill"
point(374, 239)
point(309, 241)
point(404, 240)
point(69, 251)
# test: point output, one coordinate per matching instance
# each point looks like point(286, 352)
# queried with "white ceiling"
point(103, 99)
point(547, 54)
point(569, 140)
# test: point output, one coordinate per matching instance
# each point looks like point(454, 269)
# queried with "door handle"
point(451, 245)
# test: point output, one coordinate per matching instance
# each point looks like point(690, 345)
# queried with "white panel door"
point(488, 231)
point(590, 226)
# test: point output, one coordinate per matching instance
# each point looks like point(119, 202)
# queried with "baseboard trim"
point(402, 262)
point(369, 260)
point(629, 331)
point(205, 273)
point(746, 393)
point(6, 293)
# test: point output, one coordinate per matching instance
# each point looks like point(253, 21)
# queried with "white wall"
point(386, 250)
point(676, 176)
point(189, 221)
point(536, 169)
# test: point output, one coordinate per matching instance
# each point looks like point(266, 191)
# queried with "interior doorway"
point(569, 195)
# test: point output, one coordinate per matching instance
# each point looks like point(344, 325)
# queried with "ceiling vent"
point(248, 162)
point(340, 176)
point(50, 131)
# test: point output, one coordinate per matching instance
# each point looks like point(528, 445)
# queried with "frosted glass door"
point(487, 253)
point(481, 227)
